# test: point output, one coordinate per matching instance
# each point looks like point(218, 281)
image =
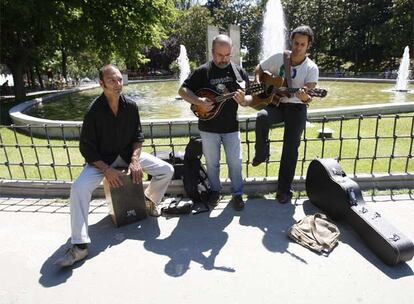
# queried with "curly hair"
point(303, 30)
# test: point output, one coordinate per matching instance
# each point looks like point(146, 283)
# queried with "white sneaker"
point(72, 255)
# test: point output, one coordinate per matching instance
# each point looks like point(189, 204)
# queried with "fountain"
point(183, 63)
point(274, 29)
point(402, 79)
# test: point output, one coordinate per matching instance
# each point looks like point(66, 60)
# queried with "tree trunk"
point(28, 80)
point(19, 89)
point(64, 63)
point(39, 77)
point(32, 77)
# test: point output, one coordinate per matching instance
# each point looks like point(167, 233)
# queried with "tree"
point(185, 4)
point(360, 33)
point(24, 30)
point(191, 31)
point(398, 30)
point(247, 15)
point(33, 30)
point(161, 58)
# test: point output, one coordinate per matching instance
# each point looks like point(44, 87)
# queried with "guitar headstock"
point(317, 92)
point(256, 89)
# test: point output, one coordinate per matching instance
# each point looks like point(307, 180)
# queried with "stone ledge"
point(34, 188)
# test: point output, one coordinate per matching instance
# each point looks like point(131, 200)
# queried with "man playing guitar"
point(292, 110)
point(221, 76)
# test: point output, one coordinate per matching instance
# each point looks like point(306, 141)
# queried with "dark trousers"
point(294, 118)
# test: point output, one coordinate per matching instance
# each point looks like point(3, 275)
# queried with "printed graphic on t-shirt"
point(219, 83)
point(282, 72)
point(221, 88)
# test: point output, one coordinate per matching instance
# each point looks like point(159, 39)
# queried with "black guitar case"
point(331, 190)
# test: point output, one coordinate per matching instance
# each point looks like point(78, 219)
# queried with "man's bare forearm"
point(101, 165)
point(189, 96)
point(136, 151)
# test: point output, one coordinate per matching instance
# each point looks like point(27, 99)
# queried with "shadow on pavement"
point(274, 220)
point(197, 238)
point(350, 237)
point(103, 235)
point(190, 239)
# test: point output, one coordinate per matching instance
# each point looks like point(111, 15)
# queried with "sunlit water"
point(157, 100)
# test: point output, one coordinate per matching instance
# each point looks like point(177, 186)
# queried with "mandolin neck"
point(224, 97)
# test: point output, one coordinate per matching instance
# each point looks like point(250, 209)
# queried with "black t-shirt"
point(221, 81)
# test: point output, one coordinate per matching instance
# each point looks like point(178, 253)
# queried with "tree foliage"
point(191, 31)
point(364, 35)
point(32, 31)
point(79, 35)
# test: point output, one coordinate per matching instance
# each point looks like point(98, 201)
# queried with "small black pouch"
point(178, 206)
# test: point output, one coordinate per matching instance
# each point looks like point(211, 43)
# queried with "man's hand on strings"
point(239, 97)
point(206, 105)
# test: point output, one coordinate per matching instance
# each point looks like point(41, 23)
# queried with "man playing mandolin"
point(219, 76)
point(292, 110)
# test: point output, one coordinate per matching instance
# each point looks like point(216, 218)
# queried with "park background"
point(46, 43)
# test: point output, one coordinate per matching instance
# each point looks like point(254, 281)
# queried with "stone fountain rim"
point(21, 119)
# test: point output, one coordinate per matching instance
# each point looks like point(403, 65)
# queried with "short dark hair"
point(303, 30)
point(104, 68)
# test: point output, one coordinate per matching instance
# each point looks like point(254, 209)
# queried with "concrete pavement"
point(218, 257)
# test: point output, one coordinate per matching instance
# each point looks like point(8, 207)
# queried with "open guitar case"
point(331, 190)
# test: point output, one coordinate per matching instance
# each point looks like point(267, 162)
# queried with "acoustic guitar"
point(275, 87)
point(219, 100)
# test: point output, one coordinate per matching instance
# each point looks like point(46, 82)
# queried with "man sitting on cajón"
point(111, 137)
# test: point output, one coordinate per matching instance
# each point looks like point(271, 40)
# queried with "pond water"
point(157, 100)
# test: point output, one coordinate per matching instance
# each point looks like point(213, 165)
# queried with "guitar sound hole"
point(269, 90)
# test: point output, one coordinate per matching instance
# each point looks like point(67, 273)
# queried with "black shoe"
point(214, 198)
point(237, 202)
point(257, 161)
point(284, 198)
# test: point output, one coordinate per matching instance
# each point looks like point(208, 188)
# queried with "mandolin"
point(220, 99)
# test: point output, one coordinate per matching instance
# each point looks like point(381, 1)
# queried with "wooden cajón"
point(127, 203)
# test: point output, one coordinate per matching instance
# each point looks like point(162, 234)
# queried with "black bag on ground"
point(196, 184)
point(175, 158)
point(178, 206)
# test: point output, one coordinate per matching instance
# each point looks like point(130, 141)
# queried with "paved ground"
point(217, 257)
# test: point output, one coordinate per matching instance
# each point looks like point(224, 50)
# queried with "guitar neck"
point(311, 92)
point(284, 90)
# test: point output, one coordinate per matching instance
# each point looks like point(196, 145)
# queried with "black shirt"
point(104, 136)
point(221, 81)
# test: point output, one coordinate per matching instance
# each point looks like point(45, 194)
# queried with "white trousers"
point(90, 178)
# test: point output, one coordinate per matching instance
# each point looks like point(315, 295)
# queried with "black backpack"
point(195, 179)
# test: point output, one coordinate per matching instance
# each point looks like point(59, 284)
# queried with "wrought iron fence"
point(362, 144)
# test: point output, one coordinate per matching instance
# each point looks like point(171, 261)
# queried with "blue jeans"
point(232, 148)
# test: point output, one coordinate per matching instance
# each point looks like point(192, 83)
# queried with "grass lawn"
point(370, 145)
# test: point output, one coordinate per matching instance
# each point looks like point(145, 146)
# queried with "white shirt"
point(301, 74)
